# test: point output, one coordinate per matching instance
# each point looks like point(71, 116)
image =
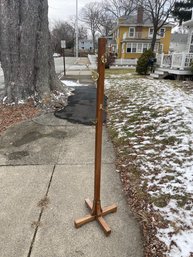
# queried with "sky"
point(63, 9)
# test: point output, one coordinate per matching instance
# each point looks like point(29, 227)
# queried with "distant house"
point(133, 35)
point(85, 45)
point(178, 43)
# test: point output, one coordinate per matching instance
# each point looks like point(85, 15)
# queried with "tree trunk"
point(26, 54)
point(93, 40)
point(153, 40)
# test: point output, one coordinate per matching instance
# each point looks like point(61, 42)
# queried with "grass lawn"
point(119, 71)
point(151, 125)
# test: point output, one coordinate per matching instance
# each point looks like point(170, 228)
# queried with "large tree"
point(119, 8)
point(66, 31)
point(90, 15)
point(106, 21)
point(158, 11)
point(26, 55)
point(183, 10)
point(62, 31)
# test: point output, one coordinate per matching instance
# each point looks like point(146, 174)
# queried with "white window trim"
point(163, 34)
point(133, 32)
point(141, 48)
point(133, 47)
point(149, 34)
point(144, 48)
point(127, 47)
point(156, 49)
point(161, 47)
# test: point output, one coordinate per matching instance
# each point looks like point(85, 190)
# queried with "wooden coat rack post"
point(97, 212)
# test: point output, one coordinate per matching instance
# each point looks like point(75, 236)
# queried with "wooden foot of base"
point(86, 219)
point(96, 215)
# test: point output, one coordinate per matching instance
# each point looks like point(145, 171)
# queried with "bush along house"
point(133, 35)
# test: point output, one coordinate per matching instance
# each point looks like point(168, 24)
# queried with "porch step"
point(154, 75)
point(159, 72)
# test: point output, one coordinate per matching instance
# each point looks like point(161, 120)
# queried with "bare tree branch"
point(90, 16)
point(159, 11)
point(119, 8)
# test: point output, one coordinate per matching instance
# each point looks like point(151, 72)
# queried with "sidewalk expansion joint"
point(56, 164)
point(70, 124)
point(47, 125)
point(41, 213)
point(28, 165)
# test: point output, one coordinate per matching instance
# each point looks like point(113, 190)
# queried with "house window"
point(162, 32)
point(156, 48)
point(128, 48)
point(161, 48)
point(134, 48)
point(131, 47)
point(131, 32)
point(150, 32)
point(191, 49)
point(139, 48)
point(144, 47)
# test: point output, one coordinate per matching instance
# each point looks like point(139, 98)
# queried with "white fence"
point(117, 62)
point(125, 62)
point(180, 61)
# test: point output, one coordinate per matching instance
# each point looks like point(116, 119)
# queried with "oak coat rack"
point(96, 211)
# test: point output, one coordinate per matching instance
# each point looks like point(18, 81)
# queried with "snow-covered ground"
point(71, 83)
point(156, 116)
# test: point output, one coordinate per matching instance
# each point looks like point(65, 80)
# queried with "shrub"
point(110, 60)
point(143, 64)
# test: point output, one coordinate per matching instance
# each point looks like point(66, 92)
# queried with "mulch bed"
point(12, 114)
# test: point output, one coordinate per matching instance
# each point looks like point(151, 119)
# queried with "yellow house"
point(133, 35)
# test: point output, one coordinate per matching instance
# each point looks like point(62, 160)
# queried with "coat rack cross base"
point(97, 213)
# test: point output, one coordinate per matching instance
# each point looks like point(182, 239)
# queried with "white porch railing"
point(180, 61)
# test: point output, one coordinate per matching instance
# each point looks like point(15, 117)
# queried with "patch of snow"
point(163, 116)
point(70, 83)
point(4, 99)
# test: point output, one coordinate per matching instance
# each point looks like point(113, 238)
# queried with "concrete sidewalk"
point(46, 170)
